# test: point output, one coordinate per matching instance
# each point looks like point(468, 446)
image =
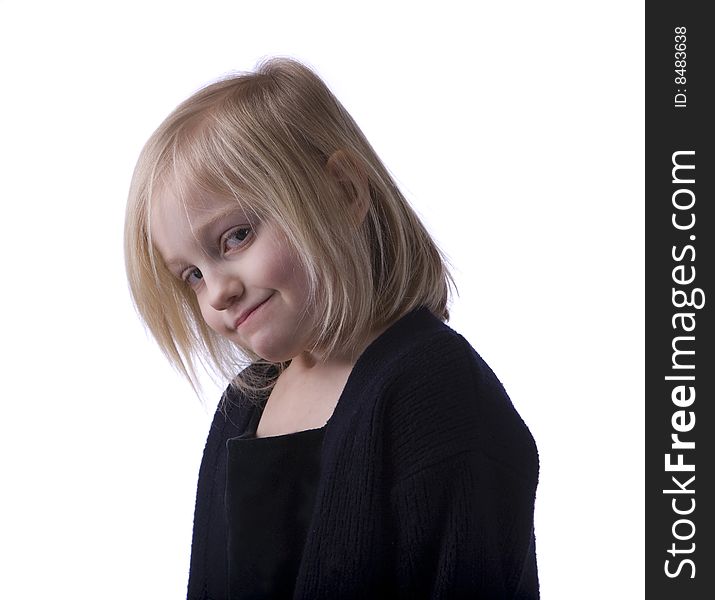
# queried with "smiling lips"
point(249, 312)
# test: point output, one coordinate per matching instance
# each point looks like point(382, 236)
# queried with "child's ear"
point(345, 168)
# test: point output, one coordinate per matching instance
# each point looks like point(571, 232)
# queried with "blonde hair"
point(268, 139)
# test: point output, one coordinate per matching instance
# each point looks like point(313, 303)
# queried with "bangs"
point(200, 159)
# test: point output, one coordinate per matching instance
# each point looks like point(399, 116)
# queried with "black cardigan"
point(427, 486)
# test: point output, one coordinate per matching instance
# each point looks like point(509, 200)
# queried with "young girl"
point(364, 450)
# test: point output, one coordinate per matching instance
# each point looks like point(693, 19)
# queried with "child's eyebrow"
point(201, 226)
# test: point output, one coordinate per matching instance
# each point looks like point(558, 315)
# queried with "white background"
point(515, 129)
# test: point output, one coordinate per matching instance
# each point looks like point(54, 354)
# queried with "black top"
point(270, 493)
point(426, 483)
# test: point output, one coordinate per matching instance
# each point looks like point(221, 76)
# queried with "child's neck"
point(309, 363)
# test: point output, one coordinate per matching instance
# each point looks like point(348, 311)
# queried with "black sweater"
point(427, 480)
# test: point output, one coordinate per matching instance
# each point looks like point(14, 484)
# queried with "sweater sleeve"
point(463, 472)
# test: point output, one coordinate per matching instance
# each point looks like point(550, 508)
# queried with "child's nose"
point(224, 289)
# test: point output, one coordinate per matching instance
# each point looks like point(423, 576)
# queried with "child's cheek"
point(281, 269)
point(213, 319)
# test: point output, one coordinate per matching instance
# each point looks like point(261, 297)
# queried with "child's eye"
point(192, 276)
point(235, 238)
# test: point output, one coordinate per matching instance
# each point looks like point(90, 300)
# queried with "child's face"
point(234, 269)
